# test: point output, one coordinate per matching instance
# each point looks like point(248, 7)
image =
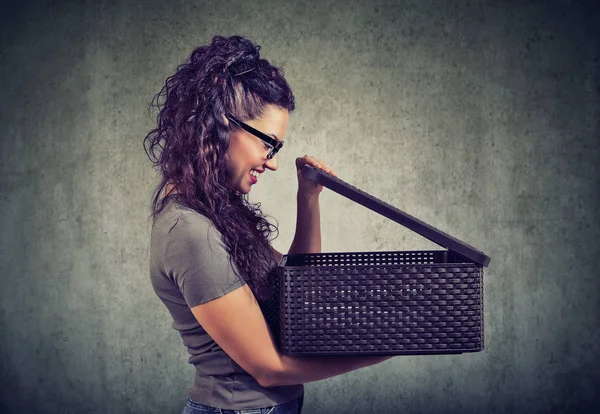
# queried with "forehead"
point(273, 121)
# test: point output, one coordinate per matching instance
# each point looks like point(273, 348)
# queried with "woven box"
point(379, 303)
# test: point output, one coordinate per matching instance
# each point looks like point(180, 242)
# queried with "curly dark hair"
point(189, 145)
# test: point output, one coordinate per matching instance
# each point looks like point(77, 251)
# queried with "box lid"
point(393, 213)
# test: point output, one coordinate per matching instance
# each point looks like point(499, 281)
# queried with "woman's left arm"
point(308, 229)
point(308, 222)
point(308, 226)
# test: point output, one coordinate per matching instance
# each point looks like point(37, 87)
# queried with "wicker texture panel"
point(377, 303)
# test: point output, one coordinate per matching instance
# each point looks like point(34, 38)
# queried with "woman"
point(223, 118)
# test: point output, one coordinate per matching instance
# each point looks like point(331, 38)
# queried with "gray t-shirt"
point(189, 265)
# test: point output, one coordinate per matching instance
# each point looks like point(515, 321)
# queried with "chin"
point(239, 188)
point(243, 190)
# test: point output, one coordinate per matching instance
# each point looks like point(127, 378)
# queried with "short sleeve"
point(196, 259)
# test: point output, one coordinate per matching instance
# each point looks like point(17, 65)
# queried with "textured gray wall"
point(480, 118)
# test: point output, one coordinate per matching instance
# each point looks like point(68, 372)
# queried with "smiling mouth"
point(253, 178)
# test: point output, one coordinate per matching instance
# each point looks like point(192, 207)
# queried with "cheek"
point(234, 163)
point(233, 154)
point(241, 157)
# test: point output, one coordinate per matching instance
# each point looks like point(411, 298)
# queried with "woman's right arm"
point(300, 369)
point(235, 322)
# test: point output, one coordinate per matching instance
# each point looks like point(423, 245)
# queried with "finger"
point(307, 159)
point(316, 162)
point(324, 166)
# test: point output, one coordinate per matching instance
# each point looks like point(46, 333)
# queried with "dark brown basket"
point(395, 303)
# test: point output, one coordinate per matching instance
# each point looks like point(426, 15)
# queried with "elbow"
point(265, 382)
point(268, 377)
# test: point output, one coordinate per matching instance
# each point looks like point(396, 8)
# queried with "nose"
point(272, 163)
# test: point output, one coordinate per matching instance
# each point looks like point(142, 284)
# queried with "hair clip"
point(245, 66)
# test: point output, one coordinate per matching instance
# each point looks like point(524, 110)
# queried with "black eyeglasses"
point(274, 144)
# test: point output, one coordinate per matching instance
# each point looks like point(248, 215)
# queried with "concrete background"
point(478, 117)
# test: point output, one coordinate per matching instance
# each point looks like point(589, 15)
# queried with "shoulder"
point(186, 241)
point(186, 218)
point(193, 227)
point(176, 218)
point(179, 231)
point(190, 253)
